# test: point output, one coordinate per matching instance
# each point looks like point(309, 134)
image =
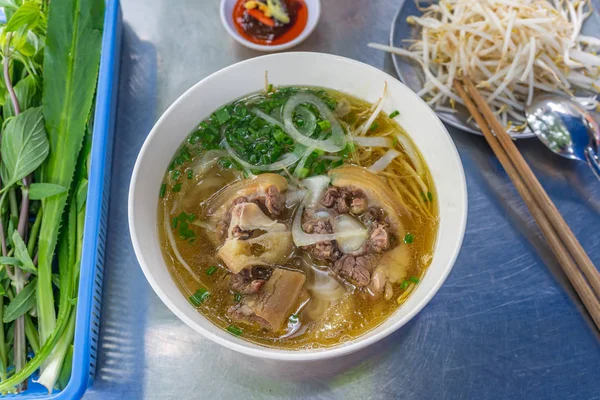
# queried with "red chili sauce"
point(257, 32)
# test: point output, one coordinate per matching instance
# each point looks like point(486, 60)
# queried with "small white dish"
point(314, 13)
point(285, 69)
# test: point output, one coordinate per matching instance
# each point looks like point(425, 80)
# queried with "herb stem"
point(7, 82)
point(35, 230)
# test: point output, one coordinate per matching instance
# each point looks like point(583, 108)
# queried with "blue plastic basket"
point(87, 324)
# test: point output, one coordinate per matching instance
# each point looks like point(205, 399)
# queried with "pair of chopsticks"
point(574, 261)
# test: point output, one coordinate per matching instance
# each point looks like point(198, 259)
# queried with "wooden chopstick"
point(563, 243)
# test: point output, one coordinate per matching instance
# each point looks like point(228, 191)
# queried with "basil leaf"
point(24, 146)
point(10, 261)
point(22, 254)
point(21, 303)
point(26, 17)
point(28, 94)
point(38, 191)
point(9, 4)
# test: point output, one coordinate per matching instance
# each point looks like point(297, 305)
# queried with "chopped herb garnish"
point(409, 238)
point(404, 284)
point(174, 222)
point(163, 190)
point(429, 196)
point(222, 115)
point(235, 330)
point(294, 318)
point(190, 174)
point(270, 88)
point(414, 279)
point(374, 126)
point(237, 297)
point(303, 173)
point(424, 197)
point(394, 114)
point(175, 175)
point(176, 188)
point(191, 217)
point(199, 297)
point(211, 270)
point(324, 125)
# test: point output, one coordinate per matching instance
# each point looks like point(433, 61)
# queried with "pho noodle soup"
point(298, 217)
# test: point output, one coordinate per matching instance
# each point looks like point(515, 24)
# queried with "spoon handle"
point(593, 161)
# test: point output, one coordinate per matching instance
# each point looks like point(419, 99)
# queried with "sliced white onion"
point(285, 161)
point(294, 196)
point(316, 187)
point(334, 143)
point(207, 161)
point(384, 161)
point(325, 286)
point(347, 223)
point(302, 238)
point(373, 141)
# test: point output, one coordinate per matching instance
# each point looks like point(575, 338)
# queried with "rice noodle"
point(508, 48)
point(372, 141)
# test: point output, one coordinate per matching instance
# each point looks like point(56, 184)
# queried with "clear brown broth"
point(356, 313)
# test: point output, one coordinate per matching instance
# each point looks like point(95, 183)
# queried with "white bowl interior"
point(286, 69)
point(314, 13)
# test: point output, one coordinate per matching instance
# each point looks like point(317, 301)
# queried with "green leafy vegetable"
point(26, 17)
point(71, 59)
point(21, 303)
point(24, 146)
point(10, 261)
point(22, 254)
point(28, 94)
point(39, 191)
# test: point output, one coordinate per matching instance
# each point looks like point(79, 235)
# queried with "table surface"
point(506, 324)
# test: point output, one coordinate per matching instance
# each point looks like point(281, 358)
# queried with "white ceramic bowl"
point(314, 13)
point(285, 69)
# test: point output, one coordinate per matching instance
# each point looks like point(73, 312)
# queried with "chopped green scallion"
point(176, 188)
point(163, 190)
point(190, 174)
point(199, 297)
point(414, 279)
point(237, 297)
point(235, 330)
point(404, 284)
point(409, 238)
point(324, 125)
point(394, 114)
point(374, 126)
point(211, 270)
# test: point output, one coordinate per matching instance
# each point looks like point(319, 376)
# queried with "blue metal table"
point(505, 325)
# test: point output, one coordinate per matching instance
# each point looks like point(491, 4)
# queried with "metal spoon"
point(566, 128)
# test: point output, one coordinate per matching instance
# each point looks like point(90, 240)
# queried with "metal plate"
point(505, 325)
point(412, 74)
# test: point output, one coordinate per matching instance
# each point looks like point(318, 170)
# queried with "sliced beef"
point(249, 280)
point(273, 201)
point(275, 302)
point(379, 239)
point(345, 200)
point(327, 250)
point(356, 269)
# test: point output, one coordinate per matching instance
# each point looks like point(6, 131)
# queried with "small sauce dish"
point(252, 24)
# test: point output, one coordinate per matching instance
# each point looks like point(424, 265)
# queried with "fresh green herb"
point(235, 330)
point(191, 217)
point(325, 125)
point(174, 222)
point(175, 175)
point(176, 188)
point(394, 114)
point(414, 279)
point(237, 297)
point(424, 197)
point(303, 173)
point(429, 196)
point(199, 297)
point(409, 238)
point(270, 88)
point(190, 174)
point(404, 284)
point(163, 190)
point(39, 191)
point(294, 318)
point(211, 270)
point(374, 126)
point(22, 303)
point(222, 115)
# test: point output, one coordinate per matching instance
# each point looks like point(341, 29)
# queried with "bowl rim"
point(280, 354)
point(306, 32)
